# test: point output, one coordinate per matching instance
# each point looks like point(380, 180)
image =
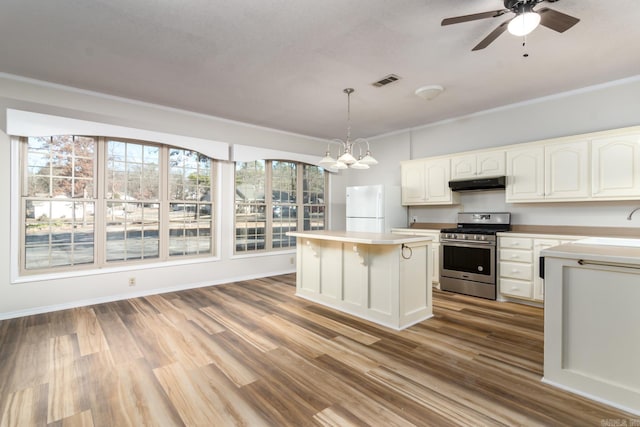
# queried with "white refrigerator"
point(375, 208)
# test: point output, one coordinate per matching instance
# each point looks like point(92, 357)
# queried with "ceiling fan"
point(525, 21)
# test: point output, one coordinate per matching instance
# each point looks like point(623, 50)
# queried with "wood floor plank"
point(233, 368)
point(83, 419)
point(66, 393)
point(139, 398)
point(251, 353)
point(205, 322)
point(197, 404)
point(19, 409)
point(258, 341)
point(91, 339)
point(122, 345)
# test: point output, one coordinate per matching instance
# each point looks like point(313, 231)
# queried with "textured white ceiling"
point(284, 63)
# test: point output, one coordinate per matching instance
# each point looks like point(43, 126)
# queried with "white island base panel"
point(388, 284)
point(592, 324)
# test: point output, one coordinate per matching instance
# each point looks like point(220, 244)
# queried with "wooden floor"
point(251, 353)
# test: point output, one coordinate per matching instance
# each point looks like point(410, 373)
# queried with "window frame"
point(100, 167)
point(269, 204)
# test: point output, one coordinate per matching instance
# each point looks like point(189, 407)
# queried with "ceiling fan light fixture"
point(524, 23)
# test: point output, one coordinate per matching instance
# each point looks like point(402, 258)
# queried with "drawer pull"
point(515, 271)
point(515, 256)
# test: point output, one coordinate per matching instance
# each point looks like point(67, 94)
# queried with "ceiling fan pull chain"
point(524, 46)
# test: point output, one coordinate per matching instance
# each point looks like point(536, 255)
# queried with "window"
point(95, 201)
point(59, 201)
point(282, 189)
point(189, 203)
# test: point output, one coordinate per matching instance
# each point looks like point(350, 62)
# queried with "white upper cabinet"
point(566, 170)
point(477, 165)
point(596, 166)
point(555, 171)
point(525, 174)
point(426, 182)
point(616, 167)
point(414, 190)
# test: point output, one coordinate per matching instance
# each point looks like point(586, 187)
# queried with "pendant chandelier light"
point(346, 153)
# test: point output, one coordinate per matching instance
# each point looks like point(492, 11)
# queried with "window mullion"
point(100, 215)
point(268, 209)
point(163, 164)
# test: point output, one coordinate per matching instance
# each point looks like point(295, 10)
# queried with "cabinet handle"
point(515, 256)
point(515, 271)
point(516, 244)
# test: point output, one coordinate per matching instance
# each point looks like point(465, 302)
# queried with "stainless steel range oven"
point(468, 253)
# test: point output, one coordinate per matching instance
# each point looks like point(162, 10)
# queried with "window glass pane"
point(284, 180)
point(314, 198)
point(190, 219)
point(133, 172)
point(250, 221)
point(58, 233)
point(189, 229)
point(132, 231)
point(61, 166)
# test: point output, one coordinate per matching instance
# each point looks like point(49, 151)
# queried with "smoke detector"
point(429, 92)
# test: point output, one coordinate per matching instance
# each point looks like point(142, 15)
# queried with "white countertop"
point(360, 237)
point(598, 253)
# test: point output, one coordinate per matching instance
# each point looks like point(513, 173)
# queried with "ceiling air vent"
point(386, 80)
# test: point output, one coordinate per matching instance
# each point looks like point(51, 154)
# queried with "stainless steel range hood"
point(478, 184)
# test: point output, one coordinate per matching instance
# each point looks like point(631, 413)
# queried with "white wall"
point(608, 106)
point(59, 292)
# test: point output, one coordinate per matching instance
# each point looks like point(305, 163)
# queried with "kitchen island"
point(592, 320)
point(384, 278)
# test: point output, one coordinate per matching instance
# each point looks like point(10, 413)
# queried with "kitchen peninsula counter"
point(381, 277)
point(591, 318)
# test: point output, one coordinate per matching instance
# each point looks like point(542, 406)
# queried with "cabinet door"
point(413, 182)
point(464, 167)
point(437, 181)
point(525, 174)
point(567, 171)
point(490, 163)
point(538, 284)
point(615, 166)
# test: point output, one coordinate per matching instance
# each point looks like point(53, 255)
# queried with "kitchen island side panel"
point(369, 280)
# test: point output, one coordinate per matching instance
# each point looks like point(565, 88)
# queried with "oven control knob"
point(463, 237)
point(483, 237)
point(475, 237)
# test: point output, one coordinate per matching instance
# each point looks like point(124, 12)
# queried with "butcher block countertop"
point(567, 230)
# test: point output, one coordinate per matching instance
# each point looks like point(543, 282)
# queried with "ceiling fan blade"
point(492, 36)
point(555, 20)
point(473, 17)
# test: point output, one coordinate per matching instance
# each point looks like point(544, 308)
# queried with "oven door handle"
point(466, 243)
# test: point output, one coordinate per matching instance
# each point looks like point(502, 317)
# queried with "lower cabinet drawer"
point(517, 288)
point(514, 270)
point(516, 255)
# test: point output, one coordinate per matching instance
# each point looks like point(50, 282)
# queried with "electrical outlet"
point(132, 281)
point(414, 219)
